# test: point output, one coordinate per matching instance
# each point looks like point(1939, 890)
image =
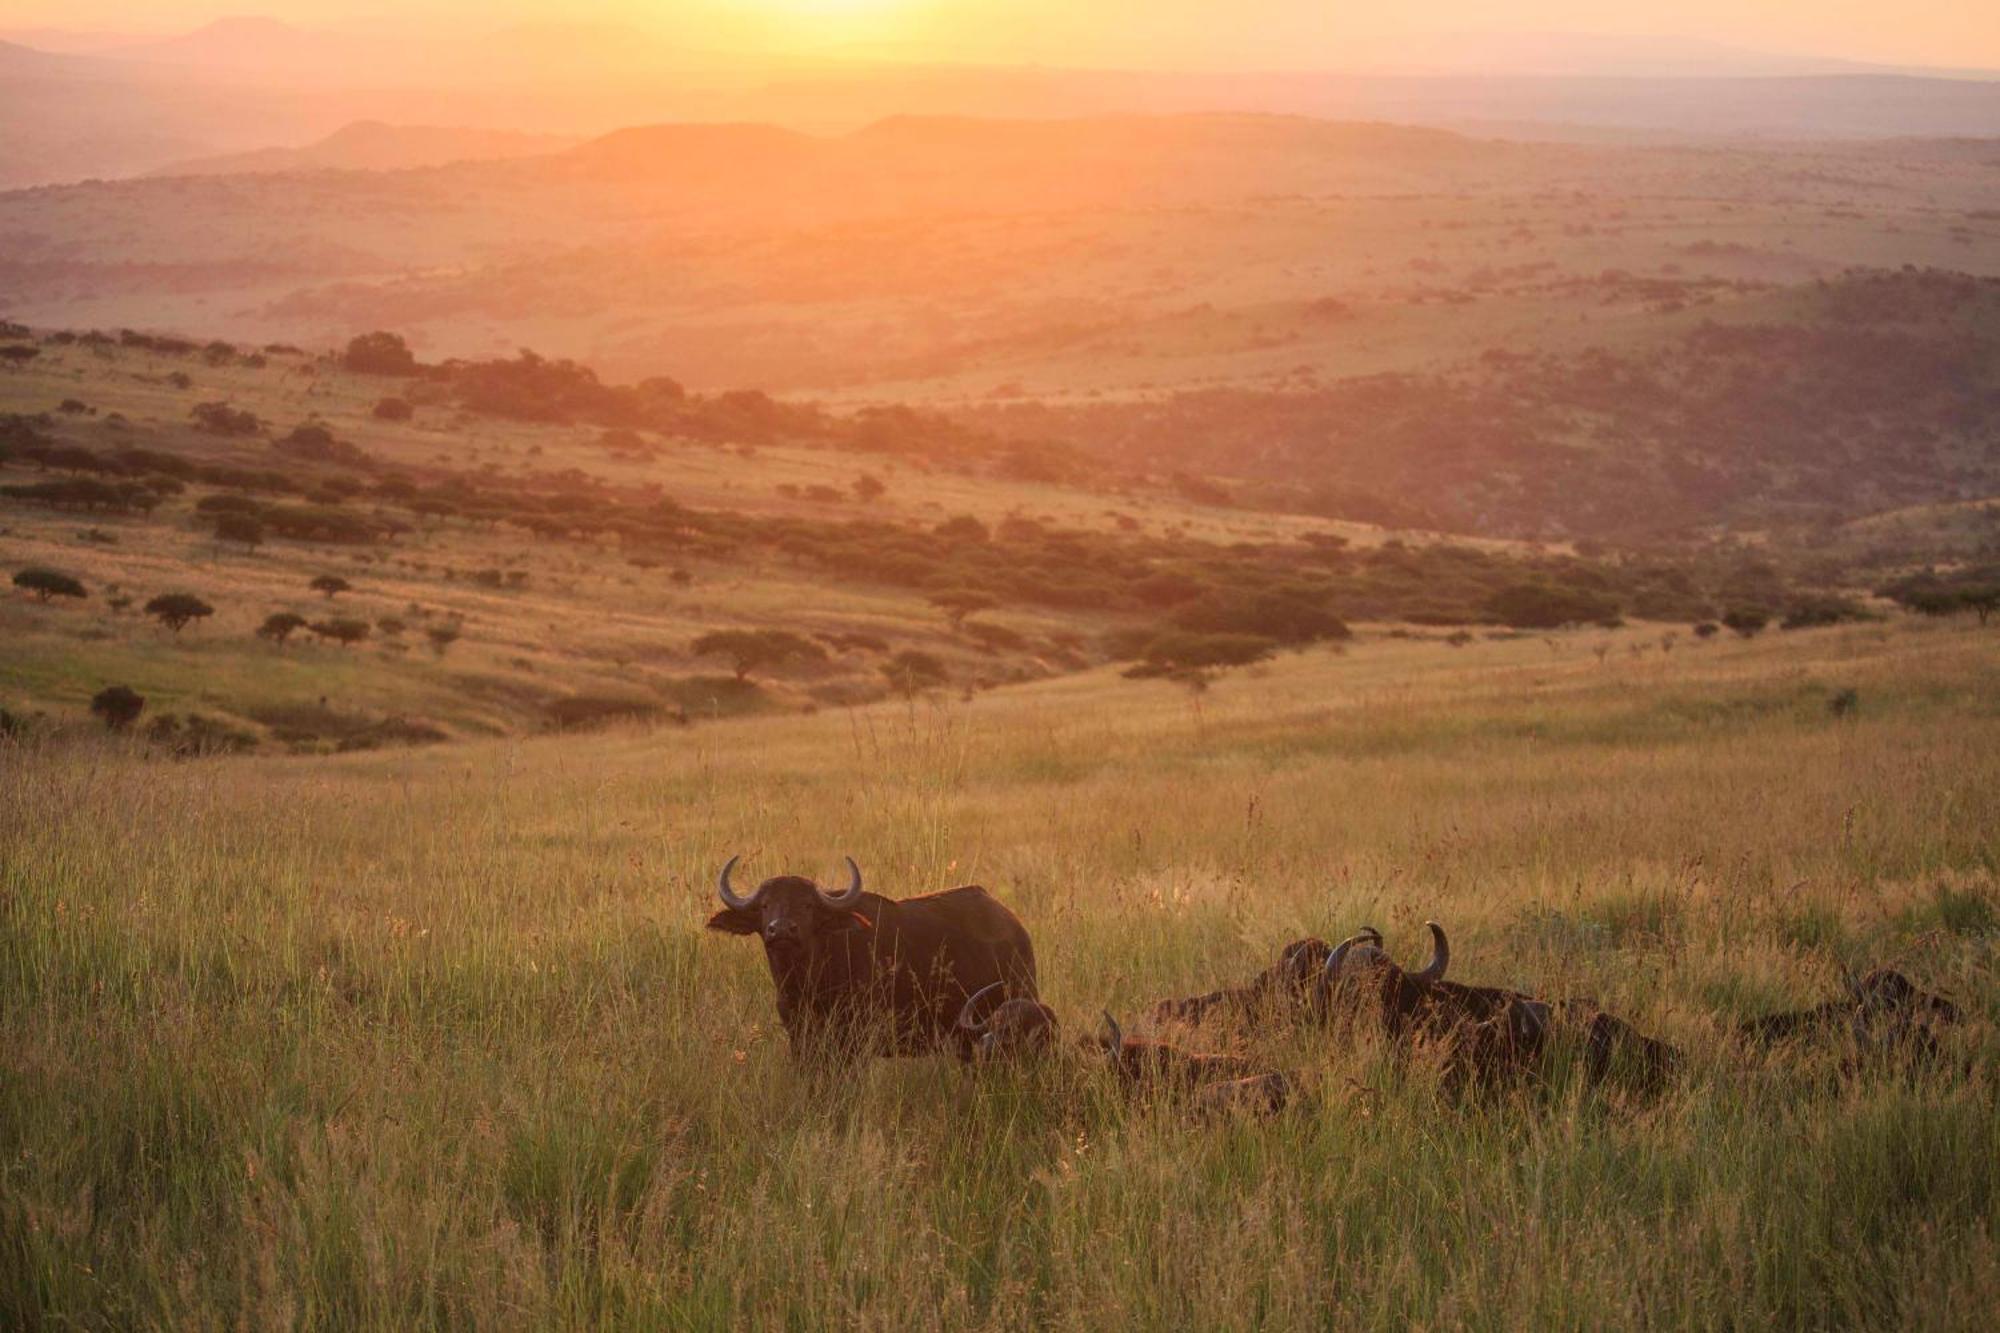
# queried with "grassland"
point(435, 1037)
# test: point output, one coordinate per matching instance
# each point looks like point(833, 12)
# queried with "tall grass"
point(436, 1039)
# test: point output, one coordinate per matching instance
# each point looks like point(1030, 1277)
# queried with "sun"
point(822, 9)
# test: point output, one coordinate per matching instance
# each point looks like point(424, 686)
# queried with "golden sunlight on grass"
point(364, 1042)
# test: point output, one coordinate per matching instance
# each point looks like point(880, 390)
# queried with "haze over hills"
point(94, 105)
point(372, 146)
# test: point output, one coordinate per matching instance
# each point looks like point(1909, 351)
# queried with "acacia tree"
point(176, 609)
point(958, 603)
point(47, 583)
point(757, 649)
point(118, 706)
point(330, 585)
point(442, 637)
point(279, 626)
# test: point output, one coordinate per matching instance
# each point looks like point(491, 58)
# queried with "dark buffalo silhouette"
point(1002, 1027)
point(1487, 1033)
point(1886, 1023)
point(1884, 994)
point(1285, 984)
point(858, 973)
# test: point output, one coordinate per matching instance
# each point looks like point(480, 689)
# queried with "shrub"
point(441, 637)
point(47, 583)
point(118, 706)
point(755, 650)
point(911, 672)
point(330, 585)
point(176, 609)
point(1283, 616)
point(1184, 650)
point(279, 626)
point(222, 419)
point(394, 409)
point(958, 603)
point(243, 529)
point(341, 630)
point(379, 353)
point(963, 528)
point(1542, 605)
point(1746, 621)
point(589, 710)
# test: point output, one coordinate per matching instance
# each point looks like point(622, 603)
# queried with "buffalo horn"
point(729, 896)
point(849, 896)
point(971, 1007)
point(1440, 956)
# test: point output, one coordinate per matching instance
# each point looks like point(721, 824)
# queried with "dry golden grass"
point(436, 1038)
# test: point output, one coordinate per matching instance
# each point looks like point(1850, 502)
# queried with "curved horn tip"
point(1117, 1033)
point(1440, 954)
point(1329, 975)
point(730, 898)
point(971, 1007)
point(848, 896)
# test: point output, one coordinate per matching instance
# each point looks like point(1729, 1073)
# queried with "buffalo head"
point(1365, 951)
point(997, 1027)
point(789, 913)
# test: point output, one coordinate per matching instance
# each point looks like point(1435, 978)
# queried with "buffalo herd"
point(856, 973)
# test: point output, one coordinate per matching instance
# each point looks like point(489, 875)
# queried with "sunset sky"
point(1156, 33)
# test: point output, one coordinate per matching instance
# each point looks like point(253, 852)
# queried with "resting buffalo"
point(1487, 1031)
point(997, 1027)
point(1883, 994)
point(1286, 982)
point(861, 973)
point(1884, 1020)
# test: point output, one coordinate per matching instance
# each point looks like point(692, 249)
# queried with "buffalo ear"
point(734, 921)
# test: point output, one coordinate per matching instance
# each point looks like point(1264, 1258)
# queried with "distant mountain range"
point(256, 94)
point(369, 145)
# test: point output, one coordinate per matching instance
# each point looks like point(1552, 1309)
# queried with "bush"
point(280, 626)
point(1813, 612)
point(330, 585)
point(379, 353)
point(1542, 605)
point(243, 529)
point(118, 706)
point(1746, 621)
point(1285, 617)
point(341, 630)
point(394, 409)
point(1184, 649)
point(441, 637)
point(911, 671)
point(47, 583)
point(222, 419)
point(958, 603)
point(754, 650)
point(589, 710)
point(176, 609)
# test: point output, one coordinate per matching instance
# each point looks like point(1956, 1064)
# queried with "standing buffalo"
point(859, 973)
